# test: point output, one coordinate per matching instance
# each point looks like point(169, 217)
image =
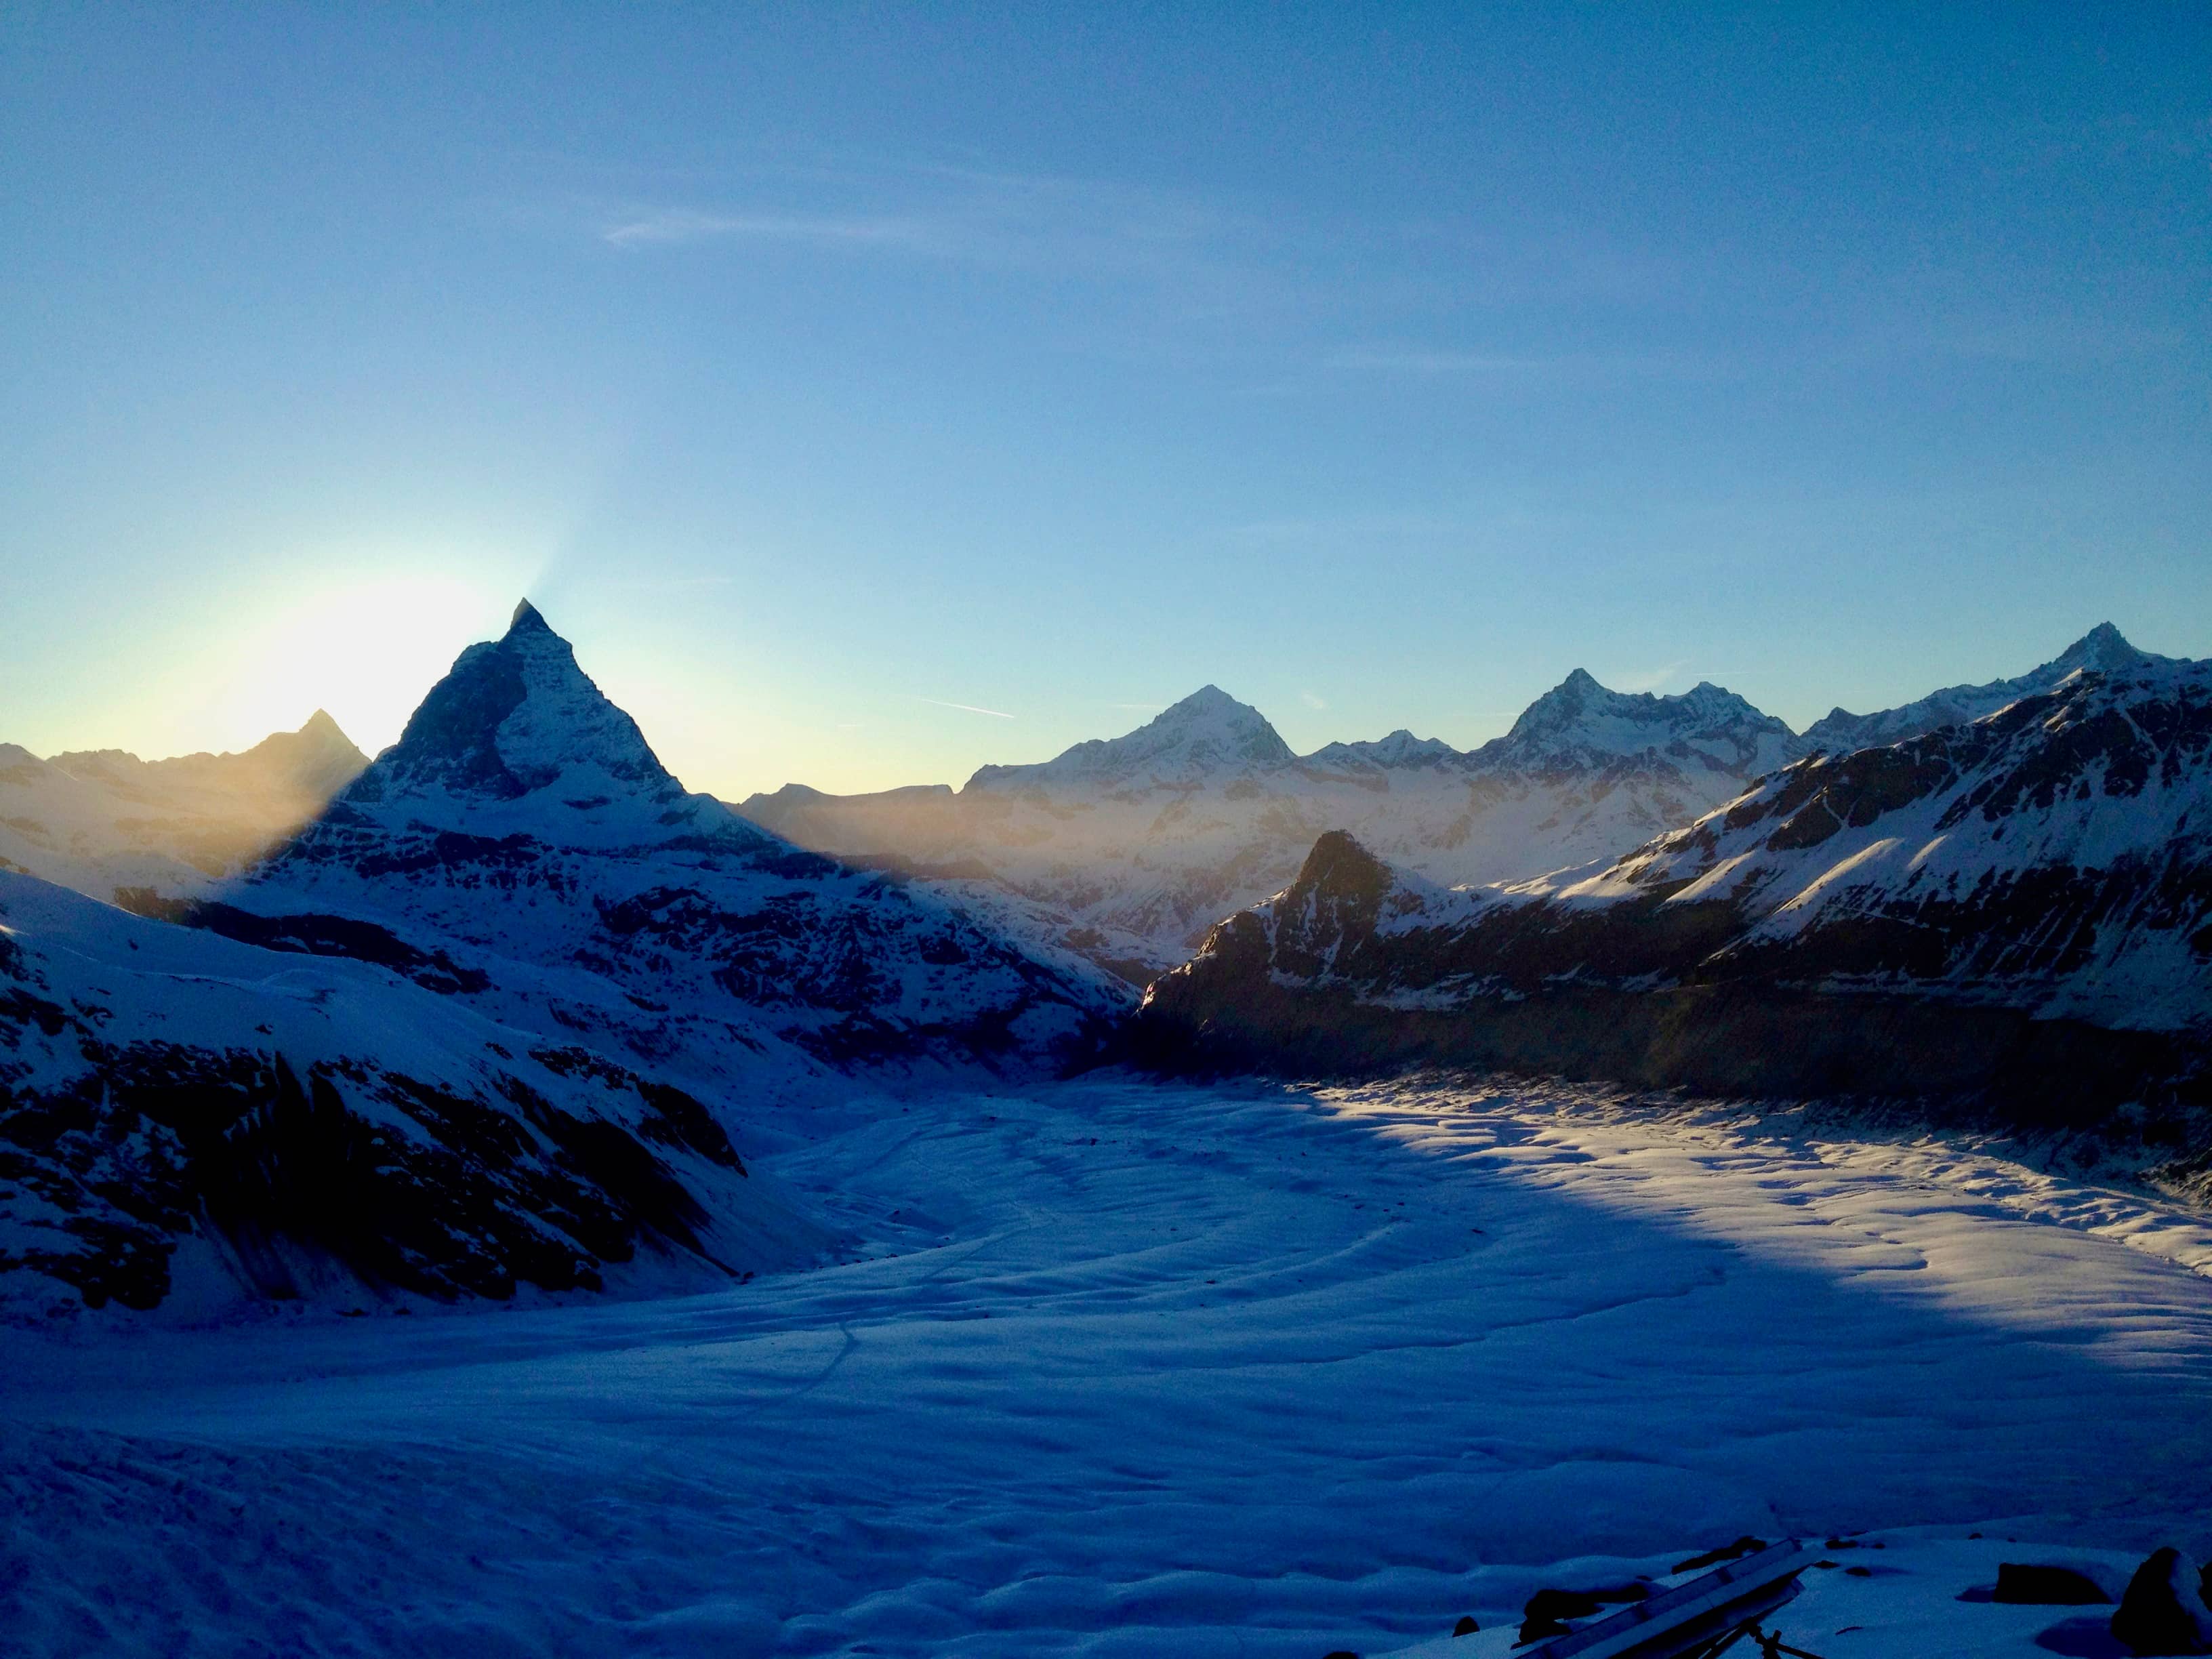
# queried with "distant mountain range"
point(1131, 847)
point(2023, 902)
point(499, 1008)
point(101, 819)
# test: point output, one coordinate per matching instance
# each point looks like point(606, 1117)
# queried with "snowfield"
point(1125, 1369)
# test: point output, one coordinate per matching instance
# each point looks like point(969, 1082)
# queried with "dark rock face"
point(2029, 1585)
point(1547, 1611)
point(2163, 1611)
point(2023, 905)
point(1742, 1547)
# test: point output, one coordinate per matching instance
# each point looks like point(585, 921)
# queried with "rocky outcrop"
point(2164, 1610)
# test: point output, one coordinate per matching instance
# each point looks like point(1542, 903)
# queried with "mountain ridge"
point(2026, 901)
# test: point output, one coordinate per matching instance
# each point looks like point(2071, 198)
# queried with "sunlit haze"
point(873, 395)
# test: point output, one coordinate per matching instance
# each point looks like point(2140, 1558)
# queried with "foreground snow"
point(1142, 1370)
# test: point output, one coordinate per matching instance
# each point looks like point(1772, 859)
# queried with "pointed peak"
point(1580, 679)
point(320, 725)
point(2103, 647)
point(1208, 733)
point(513, 716)
point(1207, 699)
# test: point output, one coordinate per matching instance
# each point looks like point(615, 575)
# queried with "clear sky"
point(816, 370)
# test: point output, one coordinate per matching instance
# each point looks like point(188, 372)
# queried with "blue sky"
point(817, 369)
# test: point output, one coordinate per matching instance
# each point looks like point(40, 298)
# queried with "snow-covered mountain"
point(1131, 847)
point(522, 850)
point(1208, 735)
point(188, 1121)
point(2044, 876)
point(2102, 650)
point(1579, 725)
point(101, 819)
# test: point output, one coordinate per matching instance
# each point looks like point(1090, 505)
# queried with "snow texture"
point(1130, 1369)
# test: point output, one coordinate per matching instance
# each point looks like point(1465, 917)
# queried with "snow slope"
point(102, 820)
point(1137, 1370)
point(193, 1124)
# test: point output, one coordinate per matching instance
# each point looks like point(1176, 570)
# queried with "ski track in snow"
point(1143, 1370)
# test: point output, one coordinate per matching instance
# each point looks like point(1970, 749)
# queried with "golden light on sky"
point(366, 650)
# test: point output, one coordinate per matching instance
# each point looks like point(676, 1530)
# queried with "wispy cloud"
point(1651, 679)
point(652, 584)
point(1349, 527)
point(670, 227)
point(967, 707)
point(1439, 363)
point(1311, 701)
point(1039, 223)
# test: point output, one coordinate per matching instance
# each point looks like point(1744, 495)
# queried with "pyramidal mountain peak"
point(1207, 734)
point(513, 718)
point(2105, 650)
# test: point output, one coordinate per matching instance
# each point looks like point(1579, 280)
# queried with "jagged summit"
point(1579, 721)
point(2103, 650)
point(1209, 733)
point(515, 716)
point(1399, 749)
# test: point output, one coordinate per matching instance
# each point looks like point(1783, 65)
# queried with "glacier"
point(1115, 1368)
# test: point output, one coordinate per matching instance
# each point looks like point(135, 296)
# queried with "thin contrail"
point(969, 707)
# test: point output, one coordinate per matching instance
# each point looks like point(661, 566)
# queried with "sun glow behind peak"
point(365, 650)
